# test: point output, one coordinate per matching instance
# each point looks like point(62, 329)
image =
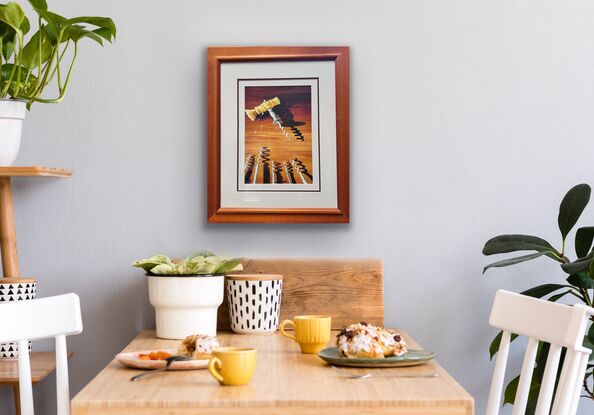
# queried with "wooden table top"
point(285, 381)
point(42, 364)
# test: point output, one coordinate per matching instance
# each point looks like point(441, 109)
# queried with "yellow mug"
point(311, 332)
point(232, 365)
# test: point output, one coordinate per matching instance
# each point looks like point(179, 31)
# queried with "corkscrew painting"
point(278, 134)
point(278, 146)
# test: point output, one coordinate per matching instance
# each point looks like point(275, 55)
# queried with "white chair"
point(560, 325)
point(22, 321)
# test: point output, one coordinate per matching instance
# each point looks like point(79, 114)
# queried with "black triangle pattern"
point(15, 292)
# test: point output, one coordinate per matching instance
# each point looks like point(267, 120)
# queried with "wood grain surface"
point(42, 364)
point(13, 171)
point(285, 382)
point(348, 290)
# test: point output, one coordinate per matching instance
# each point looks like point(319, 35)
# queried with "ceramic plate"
point(412, 358)
point(131, 360)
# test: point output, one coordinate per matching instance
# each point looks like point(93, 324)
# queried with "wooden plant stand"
point(42, 363)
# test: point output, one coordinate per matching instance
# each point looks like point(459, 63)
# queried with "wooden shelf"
point(42, 364)
point(32, 171)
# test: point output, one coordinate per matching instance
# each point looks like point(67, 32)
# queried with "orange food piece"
point(144, 357)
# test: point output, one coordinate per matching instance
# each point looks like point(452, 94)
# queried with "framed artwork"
point(278, 134)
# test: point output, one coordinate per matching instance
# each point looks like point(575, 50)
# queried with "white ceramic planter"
point(12, 114)
point(15, 289)
point(186, 305)
point(254, 302)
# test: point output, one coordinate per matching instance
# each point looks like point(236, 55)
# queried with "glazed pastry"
point(367, 341)
point(198, 346)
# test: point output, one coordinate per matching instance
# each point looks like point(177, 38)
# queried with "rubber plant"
point(579, 280)
point(29, 66)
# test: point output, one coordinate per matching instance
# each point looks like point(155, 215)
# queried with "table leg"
point(16, 392)
point(8, 243)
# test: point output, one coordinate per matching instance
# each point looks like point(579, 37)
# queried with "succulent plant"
point(202, 263)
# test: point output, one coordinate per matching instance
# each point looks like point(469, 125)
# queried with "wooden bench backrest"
point(349, 290)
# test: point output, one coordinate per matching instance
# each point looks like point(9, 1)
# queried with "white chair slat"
point(545, 396)
point(498, 375)
point(25, 384)
point(523, 390)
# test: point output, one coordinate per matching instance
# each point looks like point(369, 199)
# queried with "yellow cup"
point(232, 365)
point(311, 332)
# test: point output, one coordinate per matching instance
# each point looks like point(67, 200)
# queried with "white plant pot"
point(15, 289)
point(186, 305)
point(254, 302)
point(12, 114)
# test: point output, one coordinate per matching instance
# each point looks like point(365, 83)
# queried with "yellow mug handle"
point(214, 364)
point(282, 329)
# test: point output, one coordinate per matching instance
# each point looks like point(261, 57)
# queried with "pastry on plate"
point(367, 341)
point(198, 346)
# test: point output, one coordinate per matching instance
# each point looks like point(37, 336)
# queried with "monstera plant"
point(579, 279)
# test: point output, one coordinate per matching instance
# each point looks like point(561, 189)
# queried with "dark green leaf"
point(583, 240)
point(591, 336)
point(542, 290)
point(38, 4)
point(510, 243)
point(496, 342)
point(572, 206)
point(557, 297)
point(581, 280)
point(510, 394)
point(579, 265)
point(513, 261)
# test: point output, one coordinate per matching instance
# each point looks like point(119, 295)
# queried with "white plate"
point(131, 359)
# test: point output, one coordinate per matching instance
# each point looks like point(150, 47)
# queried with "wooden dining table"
point(285, 382)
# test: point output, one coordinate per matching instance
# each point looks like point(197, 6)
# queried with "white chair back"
point(57, 317)
point(560, 325)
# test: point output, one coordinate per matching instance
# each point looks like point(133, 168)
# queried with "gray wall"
point(468, 119)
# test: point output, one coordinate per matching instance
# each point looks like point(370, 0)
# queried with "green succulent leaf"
point(510, 243)
point(542, 290)
point(583, 240)
point(579, 265)
point(231, 264)
point(581, 280)
point(557, 297)
point(164, 269)
point(513, 261)
point(572, 206)
point(149, 263)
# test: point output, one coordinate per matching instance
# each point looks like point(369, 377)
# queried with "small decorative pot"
point(254, 302)
point(12, 114)
point(15, 289)
point(186, 304)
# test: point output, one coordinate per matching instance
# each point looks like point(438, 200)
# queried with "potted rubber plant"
point(30, 62)
point(187, 293)
point(578, 282)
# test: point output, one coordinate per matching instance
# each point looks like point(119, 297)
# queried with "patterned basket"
point(15, 289)
point(254, 302)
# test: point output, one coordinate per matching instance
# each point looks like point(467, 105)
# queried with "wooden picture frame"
point(289, 60)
